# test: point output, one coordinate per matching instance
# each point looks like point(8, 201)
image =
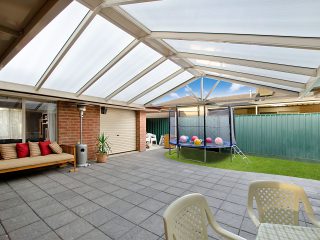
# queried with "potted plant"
point(103, 148)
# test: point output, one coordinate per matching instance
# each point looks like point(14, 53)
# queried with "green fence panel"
point(292, 136)
point(158, 126)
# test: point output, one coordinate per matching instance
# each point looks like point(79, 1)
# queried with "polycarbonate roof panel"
point(288, 56)
point(272, 17)
point(174, 82)
point(132, 64)
point(247, 80)
point(156, 75)
point(99, 44)
point(32, 61)
point(254, 71)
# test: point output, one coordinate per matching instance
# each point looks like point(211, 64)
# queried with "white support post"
point(201, 88)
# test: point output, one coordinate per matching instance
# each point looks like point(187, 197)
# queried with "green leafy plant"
point(103, 144)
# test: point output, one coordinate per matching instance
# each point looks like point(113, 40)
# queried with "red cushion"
point(22, 150)
point(44, 148)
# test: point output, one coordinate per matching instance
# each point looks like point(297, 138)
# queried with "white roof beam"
point(44, 16)
point(135, 78)
point(15, 89)
point(173, 89)
point(250, 63)
point(247, 82)
point(313, 82)
point(123, 20)
point(112, 3)
point(264, 40)
point(254, 77)
point(212, 89)
point(66, 47)
point(156, 85)
point(107, 67)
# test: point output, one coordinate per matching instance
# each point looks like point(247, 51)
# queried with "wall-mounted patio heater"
point(82, 149)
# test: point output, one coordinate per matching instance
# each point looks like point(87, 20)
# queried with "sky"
point(223, 89)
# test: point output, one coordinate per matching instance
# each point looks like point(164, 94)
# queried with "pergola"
point(131, 52)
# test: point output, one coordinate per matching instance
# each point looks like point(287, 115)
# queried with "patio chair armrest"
point(253, 217)
point(250, 210)
point(71, 149)
point(308, 209)
point(226, 234)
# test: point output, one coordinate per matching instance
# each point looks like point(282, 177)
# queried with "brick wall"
point(68, 119)
point(141, 130)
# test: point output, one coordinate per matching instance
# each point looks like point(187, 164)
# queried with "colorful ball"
point(208, 140)
point(197, 141)
point(218, 141)
point(183, 139)
point(194, 138)
point(188, 138)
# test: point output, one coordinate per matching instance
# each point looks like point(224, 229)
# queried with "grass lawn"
point(260, 165)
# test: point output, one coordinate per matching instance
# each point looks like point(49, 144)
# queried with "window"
point(24, 120)
point(11, 120)
point(40, 121)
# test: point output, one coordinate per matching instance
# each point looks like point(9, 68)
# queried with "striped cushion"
point(55, 147)
point(34, 149)
point(8, 151)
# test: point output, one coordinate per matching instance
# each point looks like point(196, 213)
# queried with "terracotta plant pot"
point(102, 157)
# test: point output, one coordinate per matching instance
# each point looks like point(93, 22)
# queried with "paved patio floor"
point(124, 199)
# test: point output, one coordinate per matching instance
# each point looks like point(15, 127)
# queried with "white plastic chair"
point(278, 203)
point(188, 217)
point(152, 137)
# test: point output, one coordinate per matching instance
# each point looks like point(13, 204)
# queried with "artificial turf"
point(257, 164)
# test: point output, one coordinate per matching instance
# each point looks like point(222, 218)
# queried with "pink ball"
point(194, 138)
point(183, 139)
point(208, 140)
point(218, 141)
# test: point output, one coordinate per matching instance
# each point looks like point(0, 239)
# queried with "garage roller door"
point(120, 126)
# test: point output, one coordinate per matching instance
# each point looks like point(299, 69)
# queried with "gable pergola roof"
point(131, 52)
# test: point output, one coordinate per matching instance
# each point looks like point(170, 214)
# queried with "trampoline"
point(212, 126)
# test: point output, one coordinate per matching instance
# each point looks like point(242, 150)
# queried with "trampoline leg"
point(205, 155)
point(178, 151)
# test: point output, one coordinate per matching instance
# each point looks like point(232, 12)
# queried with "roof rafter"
point(111, 3)
point(66, 47)
point(123, 20)
point(264, 40)
point(173, 89)
point(251, 84)
point(250, 63)
point(173, 75)
point(212, 89)
point(38, 22)
point(107, 67)
point(311, 84)
point(259, 78)
point(135, 78)
point(17, 89)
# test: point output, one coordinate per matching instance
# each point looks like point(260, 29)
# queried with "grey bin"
point(82, 155)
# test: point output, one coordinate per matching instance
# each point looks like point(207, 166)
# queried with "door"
point(120, 126)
